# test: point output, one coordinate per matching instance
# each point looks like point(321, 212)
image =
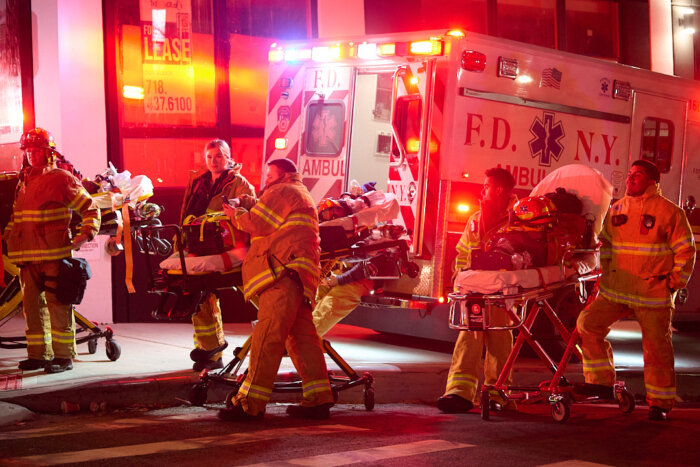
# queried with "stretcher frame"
point(523, 308)
point(231, 374)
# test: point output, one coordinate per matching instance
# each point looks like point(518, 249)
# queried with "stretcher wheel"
point(231, 396)
point(412, 269)
point(113, 350)
point(561, 411)
point(485, 405)
point(92, 346)
point(625, 400)
point(369, 398)
point(198, 394)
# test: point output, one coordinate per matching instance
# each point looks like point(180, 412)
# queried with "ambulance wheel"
point(92, 346)
point(625, 400)
point(113, 350)
point(485, 405)
point(198, 394)
point(231, 396)
point(560, 411)
point(369, 398)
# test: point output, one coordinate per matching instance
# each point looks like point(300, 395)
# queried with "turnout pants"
point(594, 324)
point(335, 303)
point(463, 377)
point(284, 320)
point(50, 324)
point(208, 327)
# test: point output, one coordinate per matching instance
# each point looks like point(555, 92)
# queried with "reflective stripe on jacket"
point(39, 229)
point(648, 249)
point(283, 226)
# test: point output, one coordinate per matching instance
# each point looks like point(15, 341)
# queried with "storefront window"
point(11, 115)
point(531, 21)
point(592, 28)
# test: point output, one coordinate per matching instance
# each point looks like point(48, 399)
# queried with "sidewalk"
point(155, 368)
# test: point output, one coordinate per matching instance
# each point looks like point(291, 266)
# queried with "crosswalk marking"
point(179, 445)
point(369, 455)
point(98, 425)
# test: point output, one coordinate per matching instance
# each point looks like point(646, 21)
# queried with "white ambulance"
point(425, 114)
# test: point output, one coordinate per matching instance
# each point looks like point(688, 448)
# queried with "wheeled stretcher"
point(180, 291)
point(524, 297)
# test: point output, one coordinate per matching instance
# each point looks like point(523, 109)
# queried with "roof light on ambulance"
point(462, 208)
point(456, 33)
point(430, 47)
point(325, 54)
point(387, 49)
point(275, 55)
point(367, 51)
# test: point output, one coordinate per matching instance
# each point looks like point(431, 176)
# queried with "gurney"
point(523, 296)
point(138, 212)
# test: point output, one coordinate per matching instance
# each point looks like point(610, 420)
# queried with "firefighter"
point(203, 195)
point(647, 254)
point(38, 238)
point(282, 269)
point(496, 200)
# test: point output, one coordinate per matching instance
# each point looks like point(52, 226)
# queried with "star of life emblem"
point(547, 136)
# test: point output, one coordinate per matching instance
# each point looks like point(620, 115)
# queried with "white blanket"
point(488, 282)
point(213, 263)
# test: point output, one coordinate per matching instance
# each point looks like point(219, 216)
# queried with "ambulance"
point(424, 114)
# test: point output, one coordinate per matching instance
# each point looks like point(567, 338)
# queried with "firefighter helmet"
point(37, 138)
point(329, 209)
point(534, 210)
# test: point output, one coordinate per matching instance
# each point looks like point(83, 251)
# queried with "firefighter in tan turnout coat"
point(648, 253)
point(282, 269)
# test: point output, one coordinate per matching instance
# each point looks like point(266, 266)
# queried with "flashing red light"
point(441, 300)
point(473, 61)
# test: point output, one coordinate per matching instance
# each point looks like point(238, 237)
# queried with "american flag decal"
point(551, 77)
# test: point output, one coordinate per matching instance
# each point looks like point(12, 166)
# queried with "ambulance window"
point(407, 122)
point(325, 128)
point(657, 142)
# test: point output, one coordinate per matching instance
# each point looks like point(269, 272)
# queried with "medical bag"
point(211, 234)
point(71, 282)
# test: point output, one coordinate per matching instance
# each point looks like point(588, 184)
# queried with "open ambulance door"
point(658, 132)
point(387, 134)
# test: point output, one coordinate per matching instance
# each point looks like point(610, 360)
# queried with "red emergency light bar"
point(364, 51)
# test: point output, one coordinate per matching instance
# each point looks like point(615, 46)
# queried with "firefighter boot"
point(59, 365)
point(657, 414)
point(316, 412)
point(33, 364)
point(237, 414)
point(452, 403)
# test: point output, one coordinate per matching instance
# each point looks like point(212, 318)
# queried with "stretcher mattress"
point(214, 263)
point(488, 282)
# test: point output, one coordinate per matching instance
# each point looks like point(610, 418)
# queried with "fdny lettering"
point(324, 167)
point(500, 132)
point(586, 143)
point(526, 176)
point(401, 192)
point(326, 79)
point(171, 50)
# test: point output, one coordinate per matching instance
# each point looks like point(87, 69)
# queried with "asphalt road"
point(391, 435)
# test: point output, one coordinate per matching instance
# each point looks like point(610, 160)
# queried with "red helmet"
point(37, 138)
point(329, 209)
point(534, 210)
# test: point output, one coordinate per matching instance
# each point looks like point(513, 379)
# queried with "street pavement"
point(154, 369)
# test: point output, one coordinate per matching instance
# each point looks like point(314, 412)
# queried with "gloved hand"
point(78, 241)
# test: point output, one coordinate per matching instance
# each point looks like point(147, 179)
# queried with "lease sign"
point(168, 74)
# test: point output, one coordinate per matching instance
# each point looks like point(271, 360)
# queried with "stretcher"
point(181, 291)
point(139, 214)
point(475, 302)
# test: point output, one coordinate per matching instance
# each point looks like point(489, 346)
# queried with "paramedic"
point(38, 238)
point(282, 269)
point(338, 295)
point(647, 253)
point(203, 195)
point(462, 379)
